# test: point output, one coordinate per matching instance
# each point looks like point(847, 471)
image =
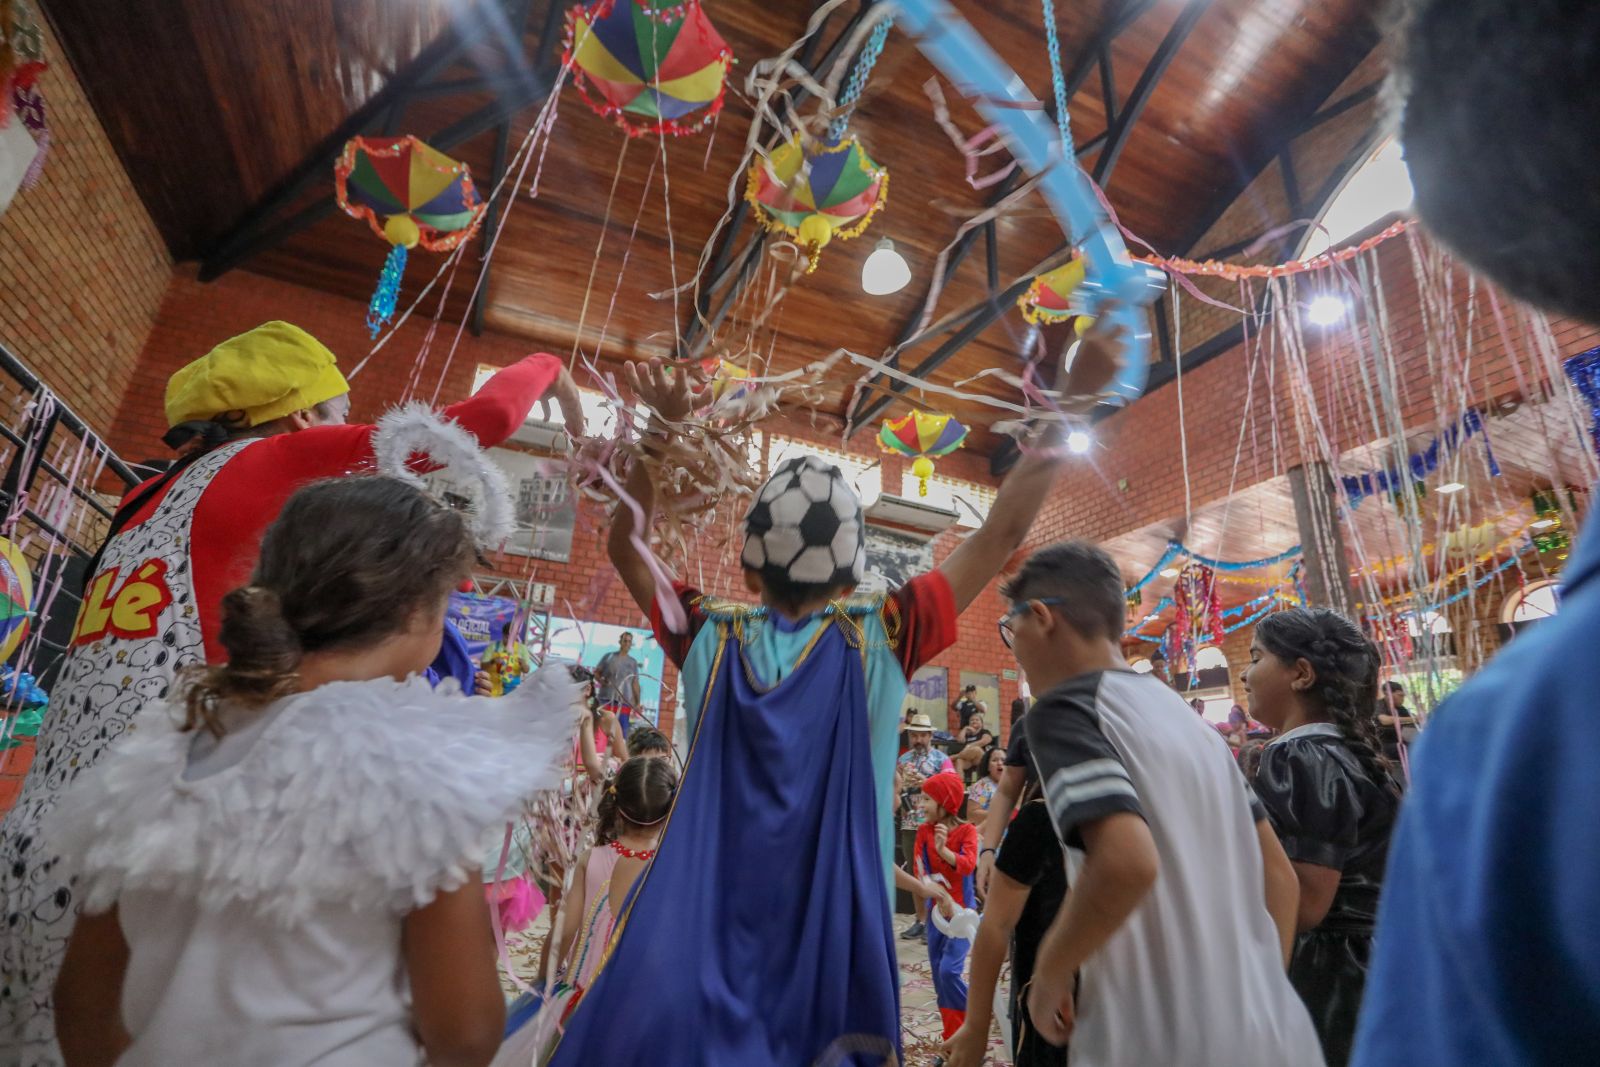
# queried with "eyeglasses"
point(1006, 633)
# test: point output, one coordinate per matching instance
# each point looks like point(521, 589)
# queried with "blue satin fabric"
point(760, 934)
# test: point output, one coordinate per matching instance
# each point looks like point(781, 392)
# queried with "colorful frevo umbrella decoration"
point(1049, 299)
point(410, 195)
point(924, 435)
point(16, 598)
point(649, 69)
point(817, 191)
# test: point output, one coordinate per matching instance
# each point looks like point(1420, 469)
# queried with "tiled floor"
point(919, 1012)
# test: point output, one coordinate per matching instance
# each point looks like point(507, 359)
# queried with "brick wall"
point(193, 317)
point(82, 269)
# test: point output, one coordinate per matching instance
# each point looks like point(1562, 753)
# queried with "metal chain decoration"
point(1058, 80)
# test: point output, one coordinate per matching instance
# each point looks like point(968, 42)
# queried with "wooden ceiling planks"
point(265, 82)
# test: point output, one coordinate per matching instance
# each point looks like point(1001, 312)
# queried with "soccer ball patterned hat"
point(806, 526)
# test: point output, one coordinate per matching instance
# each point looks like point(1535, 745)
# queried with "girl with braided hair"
point(1330, 797)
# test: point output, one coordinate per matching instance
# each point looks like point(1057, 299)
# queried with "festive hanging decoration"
point(729, 381)
point(859, 74)
point(421, 196)
point(29, 104)
point(925, 436)
point(1198, 618)
point(1419, 465)
point(1049, 299)
point(16, 598)
point(1547, 510)
point(817, 191)
point(648, 69)
point(1178, 550)
point(1212, 268)
point(1584, 370)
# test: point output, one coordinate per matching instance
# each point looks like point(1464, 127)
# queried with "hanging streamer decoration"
point(421, 196)
point(1584, 370)
point(1401, 484)
point(16, 598)
point(817, 192)
point(648, 69)
point(1198, 619)
point(21, 53)
point(1547, 509)
point(857, 82)
point(925, 436)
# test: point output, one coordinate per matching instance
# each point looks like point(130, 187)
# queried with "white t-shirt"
point(261, 883)
point(1195, 977)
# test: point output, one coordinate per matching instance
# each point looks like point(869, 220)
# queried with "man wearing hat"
point(253, 420)
point(919, 762)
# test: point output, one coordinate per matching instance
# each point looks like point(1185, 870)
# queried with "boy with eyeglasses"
point(1183, 902)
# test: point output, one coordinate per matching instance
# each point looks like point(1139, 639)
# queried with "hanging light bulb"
point(885, 271)
point(1079, 442)
point(1326, 310)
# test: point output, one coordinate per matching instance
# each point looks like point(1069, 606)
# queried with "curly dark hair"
point(1346, 666)
point(1498, 115)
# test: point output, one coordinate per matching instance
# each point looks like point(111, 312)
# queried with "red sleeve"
point(676, 646)
point(921, 846)
point(964, 843)
point(495, 412)
point(927, 619)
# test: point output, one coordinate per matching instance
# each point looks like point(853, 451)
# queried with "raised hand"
point(671, 392)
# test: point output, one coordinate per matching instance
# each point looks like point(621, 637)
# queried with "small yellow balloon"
point(815, 231)
point(402, 230)
point(1081, 324)
point(922, 470)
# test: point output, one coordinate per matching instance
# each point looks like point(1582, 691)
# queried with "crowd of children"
point(280, 861)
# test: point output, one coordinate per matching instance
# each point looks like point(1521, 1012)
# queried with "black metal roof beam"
point(1339, 107)
point(1108, 86)
point(700, 315)
point(259, 227)
point(1134, 106)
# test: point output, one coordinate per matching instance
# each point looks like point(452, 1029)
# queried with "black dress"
point(1327, 810)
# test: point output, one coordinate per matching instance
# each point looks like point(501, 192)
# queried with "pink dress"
point(596, 918)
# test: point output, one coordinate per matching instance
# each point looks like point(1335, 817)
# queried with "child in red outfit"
point(946, 851)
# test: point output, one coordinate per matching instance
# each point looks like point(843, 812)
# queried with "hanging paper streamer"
point(1198, 619)
point(817, 192)
point(925, 436)
point(1049, 299)
point(648, 69)
point(1178, 550)
point(1584, 370)
point(1419, 465)
point(16, 598)
point(421, 196)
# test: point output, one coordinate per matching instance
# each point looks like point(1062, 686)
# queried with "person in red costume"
point(253, 420)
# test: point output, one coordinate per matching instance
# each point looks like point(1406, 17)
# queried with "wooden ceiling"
point(222, 111)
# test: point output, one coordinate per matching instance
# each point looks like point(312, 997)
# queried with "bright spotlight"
point(1079, 442)
point(1451, 487)
point(1326, 310)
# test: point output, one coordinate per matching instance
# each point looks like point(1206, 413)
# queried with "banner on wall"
point(482, 620)
point(893, 559)
point(988, 695)
point(929, 693)
point(587, 642)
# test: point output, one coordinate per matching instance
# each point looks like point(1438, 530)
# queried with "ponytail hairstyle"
point(639, 794)
point(1346, 666)
point(348, 563)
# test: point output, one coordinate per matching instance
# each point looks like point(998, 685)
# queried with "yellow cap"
point(271, 371)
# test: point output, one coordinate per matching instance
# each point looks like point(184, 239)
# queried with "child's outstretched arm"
point(976, 561)
point(88, 993)
point(671, 397)
point(456, 1002)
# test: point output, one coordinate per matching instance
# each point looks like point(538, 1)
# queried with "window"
point(1537, 602)
point(1430, 622)
point(1142, 666)
point(1209, 657)
point(969, 500)
point(865, 477)
point(1378, 188)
